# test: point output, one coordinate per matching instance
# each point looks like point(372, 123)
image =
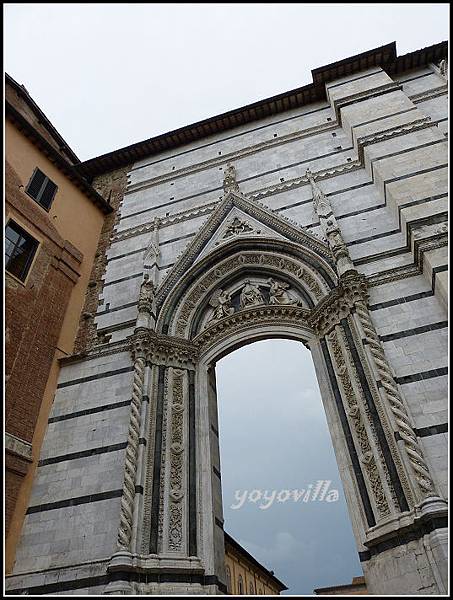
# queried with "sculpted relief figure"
point(278, 293)
point(251, 295)
point(221, 303)
point(229, 181)
point(335, 238)
point(147, 294)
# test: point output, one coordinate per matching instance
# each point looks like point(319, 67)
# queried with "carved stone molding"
point(15, 445)
point(259, 315)
point(250, 259)
point(177, 464)
point(356, 411)
point(292, 232)
point(382, 136)
point(163, 349)
point(338, 304)
point(131, 461)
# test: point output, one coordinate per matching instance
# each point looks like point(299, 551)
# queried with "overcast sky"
point(274, 436)
point(109, 75)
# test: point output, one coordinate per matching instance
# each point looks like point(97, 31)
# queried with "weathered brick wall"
point(34, 314)
point(112, 187)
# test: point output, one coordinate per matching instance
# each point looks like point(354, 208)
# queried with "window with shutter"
point(20, 249)
point(41, 189)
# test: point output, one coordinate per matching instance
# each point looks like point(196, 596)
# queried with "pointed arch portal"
point(250, 275)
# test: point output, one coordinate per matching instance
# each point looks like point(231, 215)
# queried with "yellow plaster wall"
point(250, 574)
point(80, 222)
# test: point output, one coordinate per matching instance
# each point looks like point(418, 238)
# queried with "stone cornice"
point(429, 94)
point(233, 156)
point(361, 96)
point(384, 57)
point(18, 447)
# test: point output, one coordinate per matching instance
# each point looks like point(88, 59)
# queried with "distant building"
point(356, 588)
point(54, 219)
point(245, 575)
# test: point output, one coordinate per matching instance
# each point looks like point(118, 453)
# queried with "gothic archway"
point(251, 275)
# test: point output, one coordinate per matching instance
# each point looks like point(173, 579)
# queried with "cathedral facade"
point(318, 215)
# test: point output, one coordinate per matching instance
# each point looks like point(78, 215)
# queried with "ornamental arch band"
point(338, 242)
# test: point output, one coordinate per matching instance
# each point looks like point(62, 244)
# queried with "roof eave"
point(383, 56)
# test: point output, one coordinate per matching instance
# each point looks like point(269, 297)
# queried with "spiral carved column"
point(414, 452)
point(127, 499)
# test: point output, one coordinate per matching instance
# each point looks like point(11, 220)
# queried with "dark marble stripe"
point(89, 411)
point(377, 236)
point(94, 377)
point(192, 469)
point(421, 376)
point(401, 300)
point(431, 430)
point(400, 112)
point(415, 331)
point(405, 535)
point(134, 276)
point(82, 454)
point(102, 580)
point(439, 269)
point(75, 501)
point(116, 308)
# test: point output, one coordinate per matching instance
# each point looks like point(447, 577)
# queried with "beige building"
point(53, 219)
point(357, 587)
point(245, 575)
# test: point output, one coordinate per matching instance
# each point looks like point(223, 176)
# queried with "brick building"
point(53, 223)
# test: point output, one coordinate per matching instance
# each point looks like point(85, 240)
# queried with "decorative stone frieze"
point(177, 464)
point(355, 409)
point(253, 260)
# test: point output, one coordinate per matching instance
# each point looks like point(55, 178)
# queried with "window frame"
point(41, 190)
point(11, 219)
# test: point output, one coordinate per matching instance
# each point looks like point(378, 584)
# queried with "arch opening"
point(276, 455)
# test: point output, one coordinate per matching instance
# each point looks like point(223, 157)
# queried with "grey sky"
point(274, 436)
point(109, 75)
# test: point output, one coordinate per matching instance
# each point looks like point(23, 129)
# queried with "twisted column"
point(405, 429)
point(131, 462)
